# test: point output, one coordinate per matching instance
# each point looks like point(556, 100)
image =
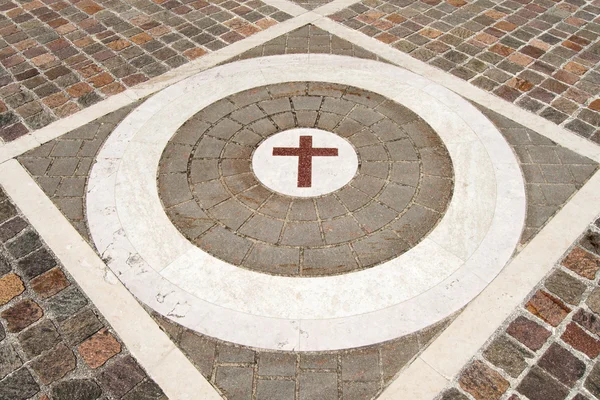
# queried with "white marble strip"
point(58, 128)
point(155, 352)
point(552, 131)
point(448, 354)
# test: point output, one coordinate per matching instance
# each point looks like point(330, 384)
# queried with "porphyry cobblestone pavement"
point(210, 192)
point(542, 55)
point(548, 349)
point(57, 57)
point(54, 344)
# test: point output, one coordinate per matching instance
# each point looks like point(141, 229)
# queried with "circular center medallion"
point(305, 162)
point(305, 178)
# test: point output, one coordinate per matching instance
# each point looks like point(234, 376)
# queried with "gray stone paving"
point(308, 39)
point(54, 344)
point(400, 192)
point(548, 349)
point(248, 373)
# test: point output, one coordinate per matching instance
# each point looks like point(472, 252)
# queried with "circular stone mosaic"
point(350, 202)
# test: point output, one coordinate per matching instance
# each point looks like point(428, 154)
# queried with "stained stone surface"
point(212, 195)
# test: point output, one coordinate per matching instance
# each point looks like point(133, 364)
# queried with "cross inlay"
point(305, 153)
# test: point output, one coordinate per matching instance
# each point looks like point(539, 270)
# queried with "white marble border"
point(471, 244)
point(150, 346)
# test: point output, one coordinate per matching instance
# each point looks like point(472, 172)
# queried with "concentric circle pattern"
point(211, 193)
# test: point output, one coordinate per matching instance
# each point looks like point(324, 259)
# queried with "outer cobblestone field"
point(542, 55)
point(57, 57)
point(54, 344)
point(548, 348)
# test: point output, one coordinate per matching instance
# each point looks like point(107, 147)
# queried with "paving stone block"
point(146, 390)
point(538, 385)
point(505, 354)
point(528, 332)
point(49, 283)
point(200, 350)
point(566, 287)
point(9, 360)
point(235, 382)
point(482, 382)
point(99, 348)
point(36, 263)
point(80, 389)
point(121, 376)
point(454, 394)
point(277, 364)
point(66, 303)
point(360, 390)
point(547, 307)
point(235, 354)
point(278, 389)
point(587, 320)
point(321, 385)
point(563, 365)
point(11, 228)
point(576, 337)
point(10, 287)
point(19, 386)
point(55, 364)
point(360, 366)
point(397, 354)
point(39, 338)
point(582, 263)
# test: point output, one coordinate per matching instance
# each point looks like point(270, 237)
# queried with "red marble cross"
point(305, 153)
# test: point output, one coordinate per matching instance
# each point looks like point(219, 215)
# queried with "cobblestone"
point(542, 56)
point(551, 350)
point(46, 322)
point(59, 57)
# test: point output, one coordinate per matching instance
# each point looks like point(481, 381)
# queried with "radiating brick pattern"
point(54, 344)
point(542, 55)
point(58, 57)
point(548, 349)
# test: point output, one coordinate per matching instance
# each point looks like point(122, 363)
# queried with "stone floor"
point(133, 167)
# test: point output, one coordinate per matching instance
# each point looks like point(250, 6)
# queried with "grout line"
point(448, 354)
point(465, 89)
point(155, 352)
point(58, 128)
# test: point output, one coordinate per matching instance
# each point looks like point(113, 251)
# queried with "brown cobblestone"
point(576, 337)
point(99, 348)
point(548, 308)
point(482, 382)
point(49, 283)
point(528, 332)
point(582, 262)
point(21, 315)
